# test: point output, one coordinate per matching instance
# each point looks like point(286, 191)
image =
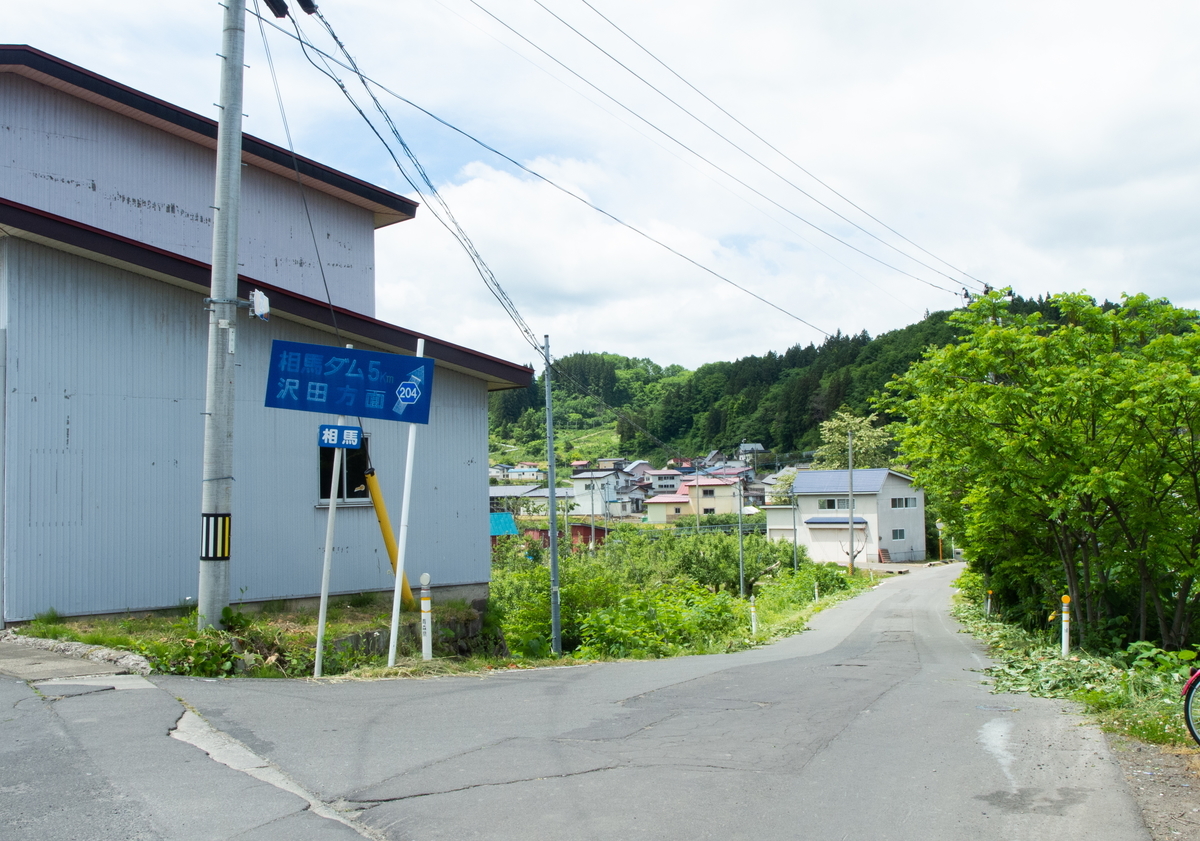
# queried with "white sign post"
point(333, 488)
point(402, 538)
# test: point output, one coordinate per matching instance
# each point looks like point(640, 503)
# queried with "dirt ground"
point(1166, 783)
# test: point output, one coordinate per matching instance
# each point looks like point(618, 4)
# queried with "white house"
point(889, 516)
point(665, 481)
point(525, 474)
point(606, 492)
point(106, 198)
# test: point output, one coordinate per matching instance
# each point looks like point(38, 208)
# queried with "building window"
point(897, 534)
point(834, 504)
point(710, 511)
point(904, 502)
point(708, 492)
point(352, 484)
point(676, 510)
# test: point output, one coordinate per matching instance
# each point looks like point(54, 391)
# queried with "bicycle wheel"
point(1191, 710)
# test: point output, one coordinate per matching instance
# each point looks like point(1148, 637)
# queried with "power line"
point(526, 332)
point(715, 166)
point(456, 230)
point(449, 222)
point(773, 148)
point(744, 151)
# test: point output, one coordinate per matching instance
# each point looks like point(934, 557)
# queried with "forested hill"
point(777, 399)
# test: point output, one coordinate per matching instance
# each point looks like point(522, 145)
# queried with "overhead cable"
point(307, 45)
point(773, 148)
point(714, 165)
point(741, 149)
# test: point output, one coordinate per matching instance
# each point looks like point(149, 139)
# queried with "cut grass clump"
point(1135, 691)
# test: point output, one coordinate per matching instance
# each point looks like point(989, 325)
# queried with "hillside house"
point(606, 493)
point(710, 495)
point(889, 515)
point(668, 507)
point(664, 481)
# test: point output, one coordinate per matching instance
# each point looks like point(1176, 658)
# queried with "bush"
point(668, 620)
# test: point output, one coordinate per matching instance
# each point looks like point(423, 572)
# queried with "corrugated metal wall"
point(83, 162)
point(103, 437)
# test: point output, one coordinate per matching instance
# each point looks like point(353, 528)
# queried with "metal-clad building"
point(105, 233)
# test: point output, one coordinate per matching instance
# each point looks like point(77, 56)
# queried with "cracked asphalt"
point(872, 724)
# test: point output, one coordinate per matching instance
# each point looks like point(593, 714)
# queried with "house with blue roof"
point(888, 516)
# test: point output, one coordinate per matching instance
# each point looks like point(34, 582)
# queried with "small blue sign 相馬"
point(343, 437)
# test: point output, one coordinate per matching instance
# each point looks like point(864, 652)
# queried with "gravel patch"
point(1166, 784)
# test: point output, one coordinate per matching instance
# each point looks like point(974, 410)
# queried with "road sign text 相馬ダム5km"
point(345, 381)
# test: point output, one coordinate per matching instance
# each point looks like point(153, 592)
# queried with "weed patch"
point(1132, 691)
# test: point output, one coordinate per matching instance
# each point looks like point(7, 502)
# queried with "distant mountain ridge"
point(778, 399)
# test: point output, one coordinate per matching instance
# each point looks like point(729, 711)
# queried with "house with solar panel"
point(106, 219)
point(888, 516)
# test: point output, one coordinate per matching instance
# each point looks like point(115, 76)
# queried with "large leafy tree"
point(872, 444)
point(1062, 451)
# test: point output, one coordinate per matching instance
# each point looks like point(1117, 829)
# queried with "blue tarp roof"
point(503, 523)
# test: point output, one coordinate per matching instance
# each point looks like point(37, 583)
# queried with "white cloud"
point(1050, 146)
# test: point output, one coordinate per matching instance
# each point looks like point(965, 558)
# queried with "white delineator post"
point(410, 458)
point(217, 487)
point(987, 604)
point(318, 664)
point(1066, 625)
point(753, 618)
point(426, 619)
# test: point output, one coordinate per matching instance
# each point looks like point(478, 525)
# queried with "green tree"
point(872, 444)
point(1063, 455)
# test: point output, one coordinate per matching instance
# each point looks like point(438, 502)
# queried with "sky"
point(1044, 146)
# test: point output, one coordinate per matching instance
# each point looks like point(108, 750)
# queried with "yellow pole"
point(389, 536)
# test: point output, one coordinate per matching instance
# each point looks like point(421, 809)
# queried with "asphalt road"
point(873, 724)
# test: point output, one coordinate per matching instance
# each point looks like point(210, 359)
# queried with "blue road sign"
point(343, 437)
point(345, 381)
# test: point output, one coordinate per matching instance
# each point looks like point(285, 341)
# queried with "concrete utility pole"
point(555, 618)
point(217, 493)
point(741, 545)
point(795, 536)
point(850, 478)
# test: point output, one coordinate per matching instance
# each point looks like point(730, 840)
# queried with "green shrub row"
point(653, 593)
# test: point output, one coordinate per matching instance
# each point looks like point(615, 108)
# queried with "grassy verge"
point(1134, 692)
point(274, 643)
point(270, 643)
